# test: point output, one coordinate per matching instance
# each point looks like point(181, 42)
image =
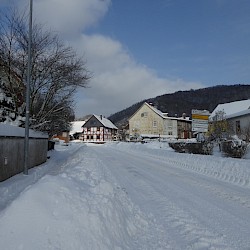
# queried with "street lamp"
point(26, 139)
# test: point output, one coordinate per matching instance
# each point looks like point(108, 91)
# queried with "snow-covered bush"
point(234, 147)
point(205, 147)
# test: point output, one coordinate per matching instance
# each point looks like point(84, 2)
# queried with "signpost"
point(200, 120)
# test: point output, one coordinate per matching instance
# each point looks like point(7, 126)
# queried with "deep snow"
point(128, 196)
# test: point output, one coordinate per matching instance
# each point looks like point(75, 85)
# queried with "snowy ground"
point(128, 196)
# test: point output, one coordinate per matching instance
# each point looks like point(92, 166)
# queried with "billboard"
point(200, 120)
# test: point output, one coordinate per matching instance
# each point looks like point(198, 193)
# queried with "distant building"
point(99, 129)
point(237, 114)
point(76, 130)
point(149, 122)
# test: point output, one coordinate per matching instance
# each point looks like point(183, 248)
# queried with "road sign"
point(200, 120)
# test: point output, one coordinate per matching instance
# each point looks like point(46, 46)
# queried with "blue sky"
point(137, 49)
point(196, 40)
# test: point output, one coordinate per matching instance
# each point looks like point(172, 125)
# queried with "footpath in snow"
point(117, 196)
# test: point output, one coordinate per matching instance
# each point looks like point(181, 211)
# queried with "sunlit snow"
point(127, 196)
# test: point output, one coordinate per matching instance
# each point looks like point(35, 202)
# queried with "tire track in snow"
point(197, 163)
point(180, 224)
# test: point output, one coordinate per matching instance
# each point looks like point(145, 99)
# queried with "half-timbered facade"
point(99, 129)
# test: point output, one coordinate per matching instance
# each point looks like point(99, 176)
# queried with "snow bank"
point(235, 171)
point(74, 202)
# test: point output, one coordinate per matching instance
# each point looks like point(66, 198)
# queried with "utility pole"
point(27, 114)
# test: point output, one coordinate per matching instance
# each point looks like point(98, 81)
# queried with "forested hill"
point(184, 101)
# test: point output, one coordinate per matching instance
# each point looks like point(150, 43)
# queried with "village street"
point(194, 209)
point(128, 196)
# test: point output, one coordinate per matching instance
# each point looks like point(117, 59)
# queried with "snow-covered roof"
point(9, 130)
point(186, 119)
point(76, 127)
point(106, 122)
point(165, 115)
point(233, 109)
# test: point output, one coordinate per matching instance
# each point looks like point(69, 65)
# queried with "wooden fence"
point(12, 150)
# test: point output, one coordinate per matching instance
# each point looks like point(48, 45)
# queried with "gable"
point(99, 121)
point(92, 122)
point(146, 109)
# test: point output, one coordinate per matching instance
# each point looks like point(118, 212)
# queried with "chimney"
point(101, 117)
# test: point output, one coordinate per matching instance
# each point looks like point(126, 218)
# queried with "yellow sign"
point(200, 117)
point(200, 120)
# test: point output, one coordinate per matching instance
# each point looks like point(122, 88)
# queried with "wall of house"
point(244, 122)
point(93, 122)
point(170, 128)
point(97, 134)
point(184, 129)
point(146, 121)
point(12, 154)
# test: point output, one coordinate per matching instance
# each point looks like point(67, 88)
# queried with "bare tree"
point(56, 71)
point(219, 127)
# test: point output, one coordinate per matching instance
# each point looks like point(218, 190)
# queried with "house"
point(237, 114)
point(99, 129)
point(76, 129)
point(149, 122)
point(63, 136)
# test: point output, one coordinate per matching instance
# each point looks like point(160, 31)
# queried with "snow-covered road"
point(195, 210)
point(128, 196)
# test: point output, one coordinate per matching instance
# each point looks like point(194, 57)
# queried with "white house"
point(149, 122)
point(237, 114)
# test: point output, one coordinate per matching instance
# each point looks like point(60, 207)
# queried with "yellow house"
point(149, 122)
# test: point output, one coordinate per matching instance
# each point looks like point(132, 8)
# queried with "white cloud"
point(118, 80)
point(69, 17)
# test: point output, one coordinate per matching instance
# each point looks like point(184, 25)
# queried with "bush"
point(192, 147)
point(234, 148)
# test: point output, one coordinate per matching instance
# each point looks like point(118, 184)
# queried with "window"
point(92, 137)
point(154, 124)
point(137, 124)
point(144, 114)
point(98, 137)
point(170, 124)
point(170, 133)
